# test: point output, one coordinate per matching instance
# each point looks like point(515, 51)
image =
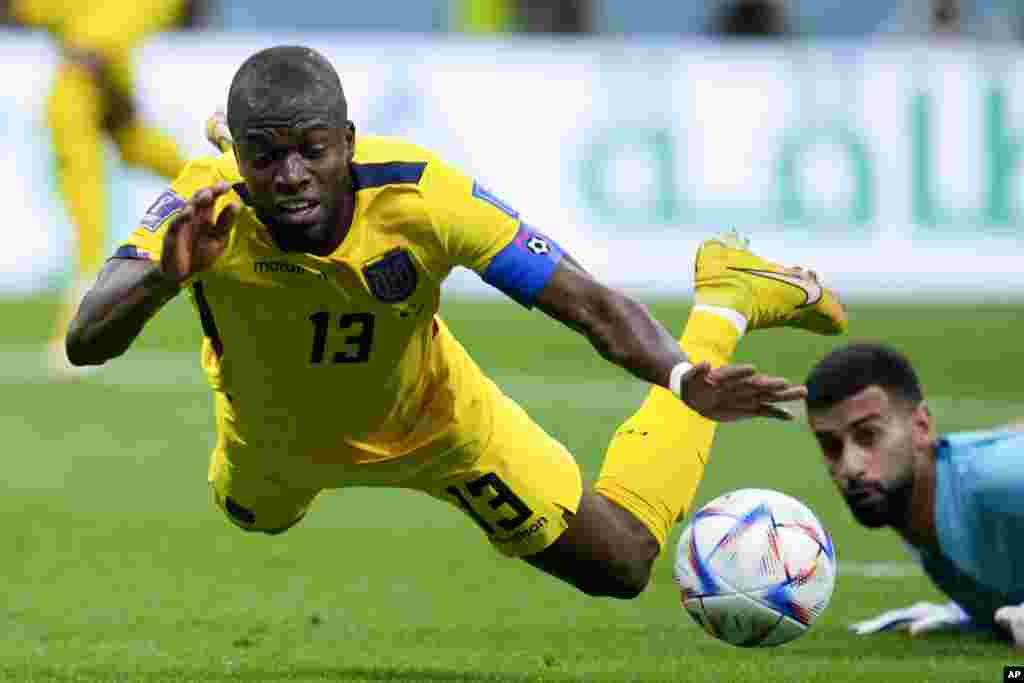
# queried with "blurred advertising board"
point(896, 169)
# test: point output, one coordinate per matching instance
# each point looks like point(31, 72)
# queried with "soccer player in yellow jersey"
point(92, 99)
point(314, 258)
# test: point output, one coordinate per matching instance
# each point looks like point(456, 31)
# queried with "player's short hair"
point(851, 369)
point(283, 83)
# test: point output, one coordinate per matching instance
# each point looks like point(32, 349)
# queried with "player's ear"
point(923, 425)
point(350, 139)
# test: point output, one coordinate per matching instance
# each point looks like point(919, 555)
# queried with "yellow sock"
point(74, 114)
point(656, 459)
point(75, 111)
point(150, 148)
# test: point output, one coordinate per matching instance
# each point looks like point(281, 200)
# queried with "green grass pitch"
point(117, 568)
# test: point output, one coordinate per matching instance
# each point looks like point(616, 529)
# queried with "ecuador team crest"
point(392, 278)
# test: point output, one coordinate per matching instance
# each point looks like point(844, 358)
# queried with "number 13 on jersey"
point(351, 343)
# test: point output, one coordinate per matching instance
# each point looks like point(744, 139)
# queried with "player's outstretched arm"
point(624, 332)
point(129, 292)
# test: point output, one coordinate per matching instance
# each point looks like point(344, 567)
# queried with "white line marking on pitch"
point(884, 570)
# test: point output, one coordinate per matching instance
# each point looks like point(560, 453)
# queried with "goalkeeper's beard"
point(889, 506)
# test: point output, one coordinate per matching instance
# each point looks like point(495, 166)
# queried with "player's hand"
point(194, 240)
point(921, 617)
point(217, 132)
point(737, 392)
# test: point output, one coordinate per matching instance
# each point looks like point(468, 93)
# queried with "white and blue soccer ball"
point(755, 567)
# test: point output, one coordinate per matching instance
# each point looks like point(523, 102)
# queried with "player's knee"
point(627, 568)
point(623, 583)
point(622, 579)
point(617, 563)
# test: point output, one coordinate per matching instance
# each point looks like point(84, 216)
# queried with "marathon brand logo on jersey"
point(285, 267)
point(392, 278)
point(481, 192)
point(165, 205)
point(533, 528)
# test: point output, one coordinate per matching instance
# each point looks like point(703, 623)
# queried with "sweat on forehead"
point(285, 85)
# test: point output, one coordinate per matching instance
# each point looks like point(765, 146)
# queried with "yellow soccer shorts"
point(520, 486)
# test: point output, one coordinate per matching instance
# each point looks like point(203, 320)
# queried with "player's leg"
point(518, 484)
point(252, 497)
point(656, 459)
point(145, 146)
point(139, 144)
point(74, 115)
point(74, 112)
point(650, 474)
point(605, 551)
point(525, 492)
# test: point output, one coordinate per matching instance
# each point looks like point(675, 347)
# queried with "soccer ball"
point(755, 568)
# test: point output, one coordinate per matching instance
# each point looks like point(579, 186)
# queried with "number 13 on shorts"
point(507, 519)
point(522, 487)
point(500, 495)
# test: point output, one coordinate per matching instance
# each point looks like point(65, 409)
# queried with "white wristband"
point(675, 377)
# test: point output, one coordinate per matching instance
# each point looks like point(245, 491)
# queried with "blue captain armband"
point(523, 268)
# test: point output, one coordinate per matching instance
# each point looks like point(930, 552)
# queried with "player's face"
point(298, 177)
point(870, 442)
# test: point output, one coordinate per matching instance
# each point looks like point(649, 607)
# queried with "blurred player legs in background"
point(92, 99)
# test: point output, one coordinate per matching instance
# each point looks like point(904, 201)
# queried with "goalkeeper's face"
point(871, 442)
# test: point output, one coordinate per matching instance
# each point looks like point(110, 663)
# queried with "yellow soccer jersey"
point(107, 26)
point(342, 358)
point(112, 28)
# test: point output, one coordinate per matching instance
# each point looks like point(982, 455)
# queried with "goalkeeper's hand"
point(1011, 619)
point(919, 618)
